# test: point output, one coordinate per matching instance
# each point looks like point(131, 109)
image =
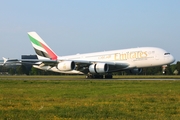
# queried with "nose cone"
point(171, 59)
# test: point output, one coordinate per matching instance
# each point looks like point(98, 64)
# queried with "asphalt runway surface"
point(147, 79)
point(66, 78)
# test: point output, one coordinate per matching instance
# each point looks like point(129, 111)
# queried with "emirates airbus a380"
point(98, 64)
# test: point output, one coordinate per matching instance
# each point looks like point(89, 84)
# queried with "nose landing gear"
point(164, 69)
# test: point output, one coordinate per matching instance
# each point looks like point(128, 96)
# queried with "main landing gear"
point(98, 76)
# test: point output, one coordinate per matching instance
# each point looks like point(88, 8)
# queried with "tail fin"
point(41, 48)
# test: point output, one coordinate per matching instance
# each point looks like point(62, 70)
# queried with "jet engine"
point(66, 65)
point(99, 68)
point(136, 70)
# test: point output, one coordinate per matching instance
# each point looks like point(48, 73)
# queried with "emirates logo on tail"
point(40, 47)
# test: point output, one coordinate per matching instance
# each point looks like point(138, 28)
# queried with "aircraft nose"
point(172, 59)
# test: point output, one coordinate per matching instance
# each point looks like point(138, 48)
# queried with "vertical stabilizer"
point(42, 50)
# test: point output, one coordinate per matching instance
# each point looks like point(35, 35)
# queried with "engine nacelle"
point(99, 68)
point(136, 70)
point(66, 65)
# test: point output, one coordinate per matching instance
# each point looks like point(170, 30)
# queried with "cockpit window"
point(166, 53)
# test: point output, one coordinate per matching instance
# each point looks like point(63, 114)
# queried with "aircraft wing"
point(81, 65)
point(31, 61)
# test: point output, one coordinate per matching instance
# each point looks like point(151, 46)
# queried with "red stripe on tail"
point(50, 52)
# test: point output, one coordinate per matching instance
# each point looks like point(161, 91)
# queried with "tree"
point(12, 71)
point(178, 66)
point(34, 71)
point(21, 70)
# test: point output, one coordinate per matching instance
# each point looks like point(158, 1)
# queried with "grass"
point(36, 97)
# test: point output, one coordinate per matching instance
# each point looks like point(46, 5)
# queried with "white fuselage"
point(136, 58)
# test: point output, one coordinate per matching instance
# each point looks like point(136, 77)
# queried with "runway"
point(145, 79)
point(81, 77)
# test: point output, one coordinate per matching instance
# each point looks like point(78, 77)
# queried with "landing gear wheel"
point(108, 76)
point(89, 76)
point(96, 76)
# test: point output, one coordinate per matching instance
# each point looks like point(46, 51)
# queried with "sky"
point(83, 26)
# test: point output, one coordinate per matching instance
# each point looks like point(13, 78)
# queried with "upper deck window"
point(166, 53)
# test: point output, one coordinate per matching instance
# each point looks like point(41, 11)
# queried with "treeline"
point(173, 69)
point(23, 70)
